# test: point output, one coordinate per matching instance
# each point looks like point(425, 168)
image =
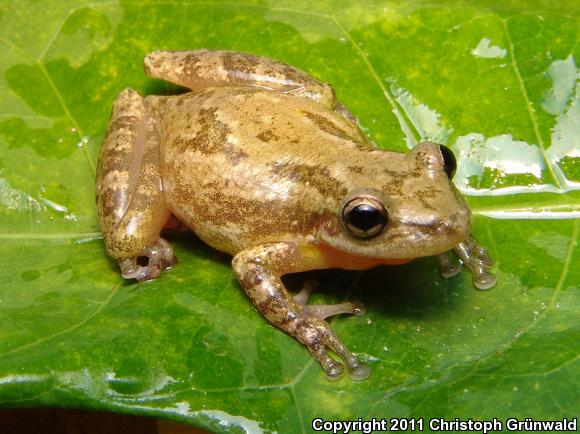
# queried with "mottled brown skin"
point(259, 160)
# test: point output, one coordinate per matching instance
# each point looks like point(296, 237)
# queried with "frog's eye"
point(364, 217)
point(449, 161)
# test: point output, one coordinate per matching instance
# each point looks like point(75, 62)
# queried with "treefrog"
point(262, 162)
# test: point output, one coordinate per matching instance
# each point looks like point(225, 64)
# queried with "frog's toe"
point(449, 266)
point(130, 269)
point(334, 371)
point(317, 335)
point(358, 308)
point(477, 259)
point(483, 279)
point(332, 368)
point(150, 263)
point(359, 372)
point(483, 255)
point(323, 311)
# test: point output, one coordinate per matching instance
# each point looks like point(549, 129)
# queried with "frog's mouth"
point(421, 241)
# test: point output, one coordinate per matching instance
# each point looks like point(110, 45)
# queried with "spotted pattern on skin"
point(270, 188)
point(112, 197)
point(394, 187)
point(356, 169)
point(425, 195)
point(254, 217)
point(267, 136)
point(211, 135)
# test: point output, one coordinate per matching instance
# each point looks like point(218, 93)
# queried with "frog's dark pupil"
point(449, 161)
point(365, 217)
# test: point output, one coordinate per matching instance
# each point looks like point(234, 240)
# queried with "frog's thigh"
point(206, 68)
point(259, 269)
point(131, 207)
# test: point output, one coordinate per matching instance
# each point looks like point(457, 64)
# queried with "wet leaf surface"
point(496, 81)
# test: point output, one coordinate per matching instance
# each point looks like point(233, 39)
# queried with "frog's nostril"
point(454, 223)
point(443, 227)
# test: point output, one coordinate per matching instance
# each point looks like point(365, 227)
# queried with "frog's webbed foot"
point(157, 257)
point(474, 257)
point(323, 311)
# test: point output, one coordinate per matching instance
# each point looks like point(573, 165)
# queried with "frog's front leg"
point(474, 257)
point(131, 207)
point(259, 270)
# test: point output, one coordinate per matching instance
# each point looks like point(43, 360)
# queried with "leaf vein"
point(378, 80)
point(557, 178)
point(103, 304)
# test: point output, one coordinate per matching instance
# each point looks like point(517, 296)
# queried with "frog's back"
point(243, 166)
point(258, 122)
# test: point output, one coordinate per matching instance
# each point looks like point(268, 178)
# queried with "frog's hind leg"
point(200, 69)
point(132, 210)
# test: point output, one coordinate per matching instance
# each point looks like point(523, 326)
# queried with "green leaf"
point(498, 81)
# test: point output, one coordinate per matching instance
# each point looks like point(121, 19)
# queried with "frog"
point(261, 161)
